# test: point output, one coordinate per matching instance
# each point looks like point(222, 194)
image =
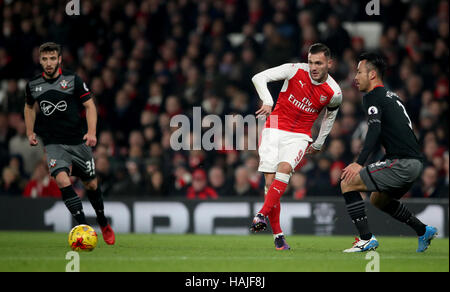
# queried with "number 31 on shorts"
point(90, 167)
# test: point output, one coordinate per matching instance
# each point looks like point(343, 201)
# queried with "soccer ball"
point(82, 238)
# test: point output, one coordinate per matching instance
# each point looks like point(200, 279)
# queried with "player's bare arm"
point(30, 118)
point(91, 118)
point(373, 133)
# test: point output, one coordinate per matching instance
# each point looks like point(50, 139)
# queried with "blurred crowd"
point(147, 61)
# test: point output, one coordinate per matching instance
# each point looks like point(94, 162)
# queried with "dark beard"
point(52, 75)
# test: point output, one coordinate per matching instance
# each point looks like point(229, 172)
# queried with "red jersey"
point(206, 193)
point(47, 188)
point(301, 99)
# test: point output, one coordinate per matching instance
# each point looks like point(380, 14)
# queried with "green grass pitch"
point(46, 251)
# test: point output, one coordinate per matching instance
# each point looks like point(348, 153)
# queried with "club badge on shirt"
point(64, 84)
point(52, 163)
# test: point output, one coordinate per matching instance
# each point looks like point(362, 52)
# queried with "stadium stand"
point(147, 61)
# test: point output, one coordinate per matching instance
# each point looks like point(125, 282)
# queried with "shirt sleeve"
point(28, 97)
point(374, 111)
point(260, 80)
point(335, 101)
point(81, 90)
point(325, 127)
point(328, 120)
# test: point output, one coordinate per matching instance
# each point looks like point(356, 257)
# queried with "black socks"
point(357, 211)
point(95, 197)
point(399, 211)
point(73, 203)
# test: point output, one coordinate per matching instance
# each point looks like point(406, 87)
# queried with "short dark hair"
point(375, 62)
point(318, 48)
point(50, 47)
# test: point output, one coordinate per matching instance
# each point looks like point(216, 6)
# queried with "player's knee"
point(355, 184)
point(284, 167)
point(62, 179)
point(343, 186)
point(379, 200)
point(374, 200)
point(91, 185)
point(346, 187)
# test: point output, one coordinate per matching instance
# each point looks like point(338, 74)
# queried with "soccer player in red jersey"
point(286, 137)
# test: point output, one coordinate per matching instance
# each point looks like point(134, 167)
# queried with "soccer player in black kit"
point(61, 96)
point(390, 179)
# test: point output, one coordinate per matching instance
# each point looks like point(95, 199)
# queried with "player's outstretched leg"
point(274, 220)
point(401, 213)
point(279, 238)
point(272, 199)
point(94, 195)
point(425, 240)
point(259, 223)
point(280, 242)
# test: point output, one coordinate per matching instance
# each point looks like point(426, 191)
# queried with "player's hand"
point(91, 140)
point(311, 150)
point(350, 172)
point(32, 139)
point(264, 111)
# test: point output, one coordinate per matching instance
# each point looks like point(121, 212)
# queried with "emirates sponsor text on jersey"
point(304, 105)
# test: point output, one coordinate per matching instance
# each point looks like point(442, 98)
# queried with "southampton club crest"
point(64, 84)
point(52, 163)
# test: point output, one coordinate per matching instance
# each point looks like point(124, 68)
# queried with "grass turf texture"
point(46, 251)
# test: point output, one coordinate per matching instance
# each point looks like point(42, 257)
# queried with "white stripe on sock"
point(282, 177)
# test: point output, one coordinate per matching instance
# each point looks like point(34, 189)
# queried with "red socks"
point(271, 207)
point(273, 196)
point(274, 219)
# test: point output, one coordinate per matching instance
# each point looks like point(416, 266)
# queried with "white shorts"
point(281, 146)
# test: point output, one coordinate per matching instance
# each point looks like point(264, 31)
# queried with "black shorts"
point(79, 158)
point(394, 177)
